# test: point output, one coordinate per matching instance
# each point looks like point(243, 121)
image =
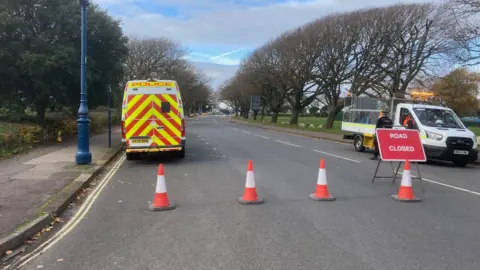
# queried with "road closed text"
point(401, 148)
point(400, 145)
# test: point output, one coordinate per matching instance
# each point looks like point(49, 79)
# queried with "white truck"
point(444, 136)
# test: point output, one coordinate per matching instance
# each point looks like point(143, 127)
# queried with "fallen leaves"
point(36, 236)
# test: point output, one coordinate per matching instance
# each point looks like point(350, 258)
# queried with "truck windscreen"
point(438, 118)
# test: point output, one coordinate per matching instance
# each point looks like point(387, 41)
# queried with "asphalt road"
point(363, 229)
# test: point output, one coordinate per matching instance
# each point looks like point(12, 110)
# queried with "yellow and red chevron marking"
point(144, 114)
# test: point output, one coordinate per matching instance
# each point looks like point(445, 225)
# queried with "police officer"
point(382, 122)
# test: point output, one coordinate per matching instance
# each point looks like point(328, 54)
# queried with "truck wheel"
point(358, 144)
point(460, 163)
point(181, 154)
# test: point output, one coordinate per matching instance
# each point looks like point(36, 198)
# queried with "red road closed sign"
point(400, 145)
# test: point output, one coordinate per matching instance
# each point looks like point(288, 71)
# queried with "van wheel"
point(181, 154)
point(132, 156)
point(460, 163)
point(358, 144)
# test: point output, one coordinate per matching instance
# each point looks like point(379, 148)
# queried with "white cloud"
point(239, 26)
point(222, 59)
point(217, 73)
point(223, 23)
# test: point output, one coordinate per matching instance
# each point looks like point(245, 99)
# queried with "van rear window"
point(165, 107)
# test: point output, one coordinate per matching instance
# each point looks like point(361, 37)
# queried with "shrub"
point(29, 135)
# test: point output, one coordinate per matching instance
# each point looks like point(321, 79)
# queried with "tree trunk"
point(294, 117)
point(274, 117)
point(330, 118)
point(40, 108)
point(296, 110)
point(332, 112)
point(262, 114)
point(255, 115)
point(245, 113)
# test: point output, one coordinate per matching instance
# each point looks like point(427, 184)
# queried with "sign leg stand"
point(376, 170)
point(396, 171)
point(420, 177)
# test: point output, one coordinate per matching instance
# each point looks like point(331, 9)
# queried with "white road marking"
point(325, 153)
point(450, 186)
point(232, 128)
point(246, 132)
point(287, 143)
point(215, 121)
point(447, 185)
point(76, 218)
point(262, 136)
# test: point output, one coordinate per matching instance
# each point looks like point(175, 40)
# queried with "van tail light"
point(183, 128)
point(123, 130)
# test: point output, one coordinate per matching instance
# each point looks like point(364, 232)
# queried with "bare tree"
point(156, 56)
point(465, 31)
point(261, 70)
point(236, 92)
point(413, 36)
point(298, 52)
point(163, 58)
point(339, 37)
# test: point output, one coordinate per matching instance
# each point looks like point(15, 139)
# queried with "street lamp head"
point(84, 2)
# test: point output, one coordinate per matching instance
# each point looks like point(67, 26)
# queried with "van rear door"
point(168, 127)
point(138, 126)
point(152, 117)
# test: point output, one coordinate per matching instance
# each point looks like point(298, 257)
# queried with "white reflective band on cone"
point(322, 177)
point(161, 187)
point(250, 180)
point(406, 179)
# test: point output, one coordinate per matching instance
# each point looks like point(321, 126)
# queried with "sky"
point(219, 33)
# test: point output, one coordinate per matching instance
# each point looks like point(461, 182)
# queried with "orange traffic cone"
point(160, 201)
point(405, 193)
point(250, 194)
point(321, 192)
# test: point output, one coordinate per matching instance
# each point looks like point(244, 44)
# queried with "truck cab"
point(444, 136)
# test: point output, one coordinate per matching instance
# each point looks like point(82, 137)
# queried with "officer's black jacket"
point(384, 122)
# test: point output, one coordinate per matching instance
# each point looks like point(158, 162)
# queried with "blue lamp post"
point(83, 155)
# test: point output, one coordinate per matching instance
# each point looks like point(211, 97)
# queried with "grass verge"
point(282, 121)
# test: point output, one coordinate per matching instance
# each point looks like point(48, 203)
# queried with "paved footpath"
point(209, 229)
point(29, 180)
